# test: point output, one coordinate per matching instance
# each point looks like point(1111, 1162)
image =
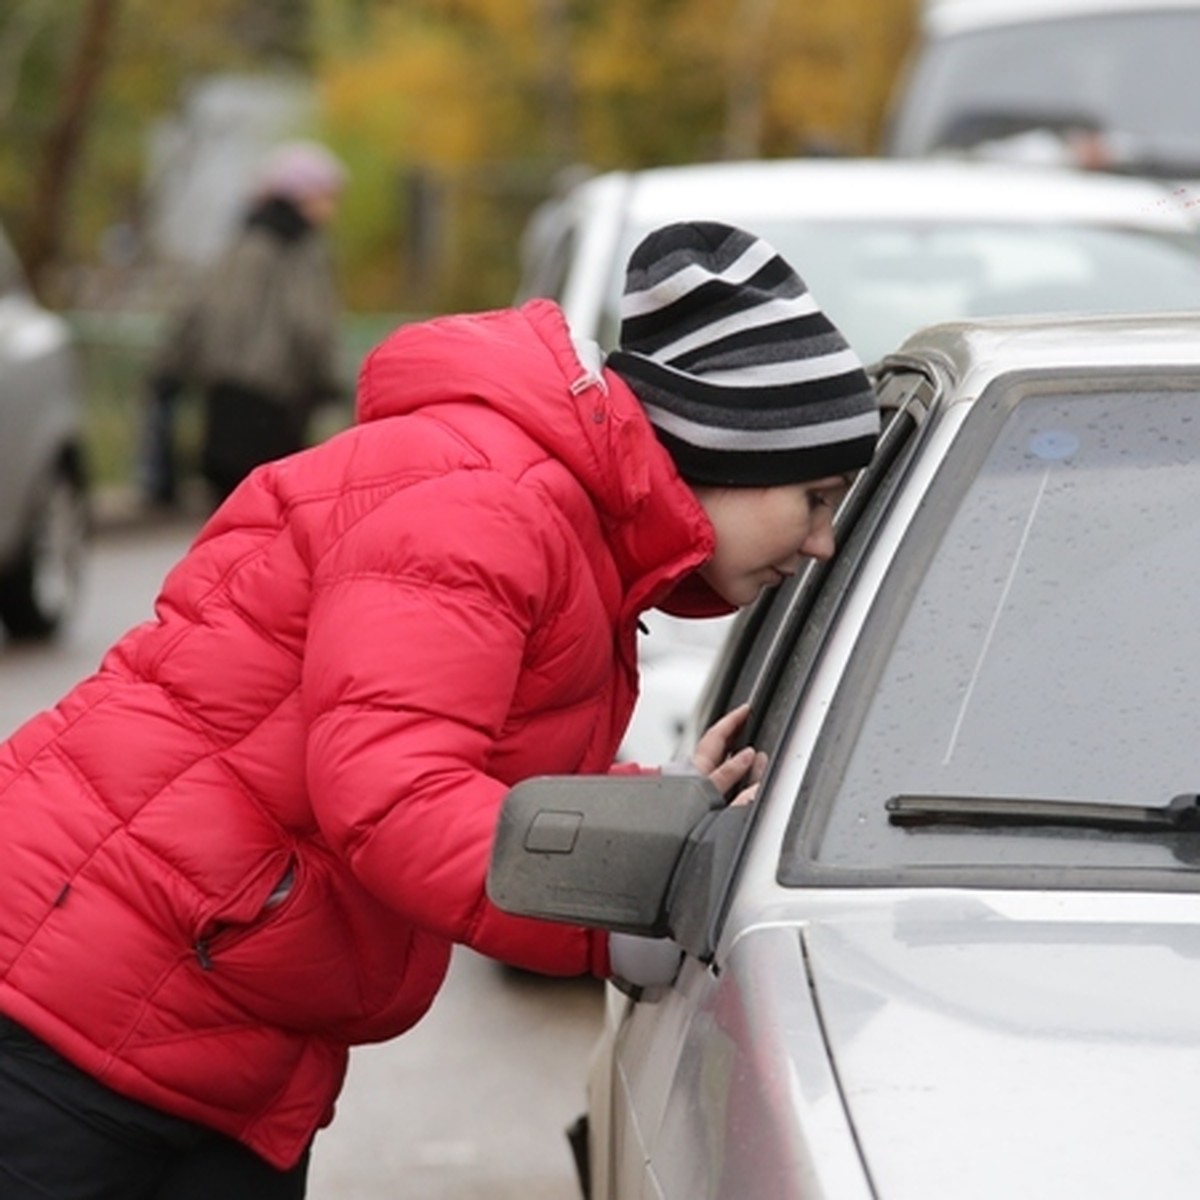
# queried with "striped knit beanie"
point(746, 381)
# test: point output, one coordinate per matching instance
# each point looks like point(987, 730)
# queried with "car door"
point(645, 1061)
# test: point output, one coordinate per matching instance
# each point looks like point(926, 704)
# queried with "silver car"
point(1101, 83)
point(953, 950)
point(43, 490)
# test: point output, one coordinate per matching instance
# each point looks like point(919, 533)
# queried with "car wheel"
point(40, 591)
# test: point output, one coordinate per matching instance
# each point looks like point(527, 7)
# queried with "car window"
point(1026, 643)
point(758, 649)
point(770, 652)
point(777, 668)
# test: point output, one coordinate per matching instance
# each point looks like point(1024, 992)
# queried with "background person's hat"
point(300, 169)
point(746, 381)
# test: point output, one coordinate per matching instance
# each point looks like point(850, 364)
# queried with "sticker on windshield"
point(1054, 444)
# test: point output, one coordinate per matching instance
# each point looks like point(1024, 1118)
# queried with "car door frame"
point(636, 1061)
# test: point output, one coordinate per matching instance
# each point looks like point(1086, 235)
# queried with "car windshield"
point(1033, 640)
point(881, 280)
point(1130, 75)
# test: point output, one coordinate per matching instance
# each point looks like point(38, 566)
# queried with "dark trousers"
point(63, 1136)
point(157, 468)
point(244, 429)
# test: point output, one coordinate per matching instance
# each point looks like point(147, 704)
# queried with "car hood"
point(981, 1056)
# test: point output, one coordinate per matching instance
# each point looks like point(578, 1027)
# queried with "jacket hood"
point(519, 362)
point(523, 364)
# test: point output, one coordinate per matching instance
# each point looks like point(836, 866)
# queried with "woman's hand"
point(725, 770)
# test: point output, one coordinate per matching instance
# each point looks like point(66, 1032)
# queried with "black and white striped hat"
point(746, 381)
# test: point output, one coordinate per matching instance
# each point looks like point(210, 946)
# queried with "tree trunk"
point(60, 158)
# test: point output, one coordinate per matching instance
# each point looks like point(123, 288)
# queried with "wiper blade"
point(1181, 815)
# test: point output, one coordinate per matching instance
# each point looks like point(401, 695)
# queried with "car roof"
point(942, 18)
point(933, 189)
point(978, 351)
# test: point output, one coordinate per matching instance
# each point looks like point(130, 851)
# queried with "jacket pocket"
point(322, 955)
point(264, 898)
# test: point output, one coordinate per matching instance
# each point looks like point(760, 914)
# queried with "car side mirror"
point(599, 850)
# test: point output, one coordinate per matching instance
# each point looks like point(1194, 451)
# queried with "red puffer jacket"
point(367, 644)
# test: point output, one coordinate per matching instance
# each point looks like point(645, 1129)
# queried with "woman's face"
point(765, 534)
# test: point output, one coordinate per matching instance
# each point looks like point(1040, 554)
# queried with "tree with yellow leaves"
point(456, 116)
point(479, 103)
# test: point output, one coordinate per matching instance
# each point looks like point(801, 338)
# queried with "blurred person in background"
point(251, 839)
point(259, 337)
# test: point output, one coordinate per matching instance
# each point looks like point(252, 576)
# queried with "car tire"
point(40, 590)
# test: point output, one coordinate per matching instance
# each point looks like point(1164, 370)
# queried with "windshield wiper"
point(1181, 815)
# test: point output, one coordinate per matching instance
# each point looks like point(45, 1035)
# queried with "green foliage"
point(154, 51)
point(455, 116)
point(486, 101)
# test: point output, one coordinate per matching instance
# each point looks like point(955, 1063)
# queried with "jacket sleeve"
point(419, 626)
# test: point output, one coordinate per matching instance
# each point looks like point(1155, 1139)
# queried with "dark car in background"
point(44, 516)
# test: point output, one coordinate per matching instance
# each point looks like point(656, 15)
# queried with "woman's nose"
point(819, 544)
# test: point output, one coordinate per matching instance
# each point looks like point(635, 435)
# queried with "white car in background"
point(44, 511)
point(1106, 83)
point(887, 247)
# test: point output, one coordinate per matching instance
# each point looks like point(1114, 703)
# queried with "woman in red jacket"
point(251, 838)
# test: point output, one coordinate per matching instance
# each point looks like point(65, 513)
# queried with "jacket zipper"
point(224, 936)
